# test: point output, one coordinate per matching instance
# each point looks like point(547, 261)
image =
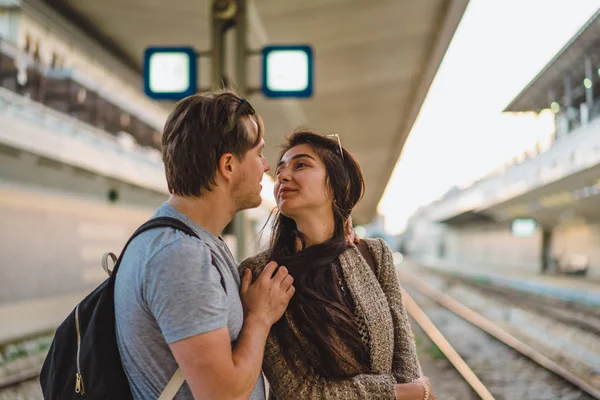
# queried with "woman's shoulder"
point(255, 263)
point(377, 247)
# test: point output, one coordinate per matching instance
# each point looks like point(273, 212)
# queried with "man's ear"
point(227, 166)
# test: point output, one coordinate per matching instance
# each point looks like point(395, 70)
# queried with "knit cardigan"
point(378, 301)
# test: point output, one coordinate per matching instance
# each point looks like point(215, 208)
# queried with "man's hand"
point(351, 236)
point(268, 297)
point(211, 367)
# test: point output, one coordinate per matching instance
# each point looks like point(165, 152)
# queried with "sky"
point(461, 133)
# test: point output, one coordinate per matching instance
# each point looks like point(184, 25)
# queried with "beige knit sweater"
point(378, 302)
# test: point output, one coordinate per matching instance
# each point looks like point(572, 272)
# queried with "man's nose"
point(266, 165)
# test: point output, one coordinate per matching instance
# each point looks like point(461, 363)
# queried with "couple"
point(322, 317)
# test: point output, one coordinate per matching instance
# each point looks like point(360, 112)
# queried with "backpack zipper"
point(78, 378)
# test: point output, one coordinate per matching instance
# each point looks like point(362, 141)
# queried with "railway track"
point(20, 364)
point(584, 317)
point(495, 363)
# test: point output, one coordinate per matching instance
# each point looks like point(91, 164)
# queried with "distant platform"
point(577, 289)
point(32, 317)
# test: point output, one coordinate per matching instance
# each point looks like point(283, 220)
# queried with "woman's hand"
point(351, 236)
point(415, 390)
point(425, 381)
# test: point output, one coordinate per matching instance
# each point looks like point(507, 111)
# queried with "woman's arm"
point(295, 385)
point(286, 383)
point(289, 384)
point(405, 364)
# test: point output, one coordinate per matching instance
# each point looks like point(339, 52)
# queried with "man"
point(171, 307)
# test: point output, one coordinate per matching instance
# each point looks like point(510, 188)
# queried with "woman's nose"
point(283, 175)
point(283, 178)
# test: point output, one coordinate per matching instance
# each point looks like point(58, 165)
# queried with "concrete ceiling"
point(374, 63)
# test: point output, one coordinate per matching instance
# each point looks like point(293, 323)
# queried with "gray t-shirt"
point(166, 290)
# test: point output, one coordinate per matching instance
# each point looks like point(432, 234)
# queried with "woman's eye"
point(300, 165)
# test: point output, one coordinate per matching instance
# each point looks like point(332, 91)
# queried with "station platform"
point(27, 318)
point(576, 289)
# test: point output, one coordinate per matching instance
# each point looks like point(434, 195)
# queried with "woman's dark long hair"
point(319, 309)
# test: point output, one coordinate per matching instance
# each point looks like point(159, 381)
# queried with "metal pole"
point(239, 222)
point(241, 50)
point(226, 14)
point(218, 44)
point(589, 92)
point(568, 82)
point(551, 99)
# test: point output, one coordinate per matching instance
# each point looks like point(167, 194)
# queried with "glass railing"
point(144, 110)
point(571, 153)
point(42, 130)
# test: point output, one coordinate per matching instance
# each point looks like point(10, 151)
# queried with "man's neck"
point(208, 211)
point(315, 228)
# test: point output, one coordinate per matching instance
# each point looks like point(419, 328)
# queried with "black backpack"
point(84, 361)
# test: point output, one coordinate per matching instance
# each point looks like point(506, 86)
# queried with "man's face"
point(247, 183)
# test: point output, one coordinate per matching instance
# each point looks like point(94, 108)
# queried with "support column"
point(218, 25)
point(546, 254)
point(569, 100)
point(589, 87)
point(554, 105)
point(241, 42)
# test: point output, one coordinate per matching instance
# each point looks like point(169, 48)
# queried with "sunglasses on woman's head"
point(339, 143)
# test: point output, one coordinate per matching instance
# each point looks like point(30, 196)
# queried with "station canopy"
point(374, 63)
point(568, 61)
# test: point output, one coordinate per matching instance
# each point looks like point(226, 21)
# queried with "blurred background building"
point(476, 124)
point(539, 212)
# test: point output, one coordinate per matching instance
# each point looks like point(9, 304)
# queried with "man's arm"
point(212, 369)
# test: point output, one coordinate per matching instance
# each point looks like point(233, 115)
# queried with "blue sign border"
point(193, 87)
point(308, 92)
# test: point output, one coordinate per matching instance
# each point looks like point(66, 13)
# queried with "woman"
point(345, 334)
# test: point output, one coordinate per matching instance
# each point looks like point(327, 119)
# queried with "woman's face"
point(300, 182)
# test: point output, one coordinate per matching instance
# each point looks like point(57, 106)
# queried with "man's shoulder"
point(173, 240)
point(160, 246)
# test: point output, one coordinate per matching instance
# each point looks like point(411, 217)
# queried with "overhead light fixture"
point(170, 73)
point(523, 227)
point(287, 71)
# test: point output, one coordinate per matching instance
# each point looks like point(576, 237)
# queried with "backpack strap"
point(158, 222)
point(173, 386)
point(366, 253)
point(177, 380)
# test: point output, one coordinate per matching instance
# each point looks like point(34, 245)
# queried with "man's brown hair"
point(200, 129)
